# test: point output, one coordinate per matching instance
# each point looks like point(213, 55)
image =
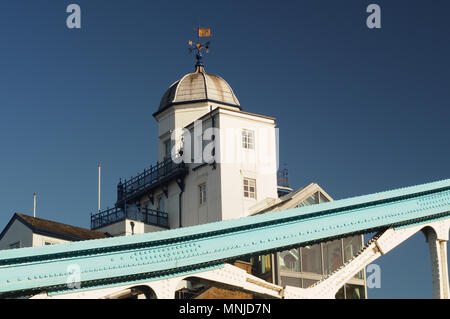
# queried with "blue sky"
point(359, 110)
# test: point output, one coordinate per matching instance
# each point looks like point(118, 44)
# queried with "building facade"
point(28, 231)
point(215, 162)
point(218, 162)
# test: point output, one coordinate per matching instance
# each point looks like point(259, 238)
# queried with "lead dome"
point(199, 86)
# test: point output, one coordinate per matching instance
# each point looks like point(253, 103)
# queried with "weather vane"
point(199, 46)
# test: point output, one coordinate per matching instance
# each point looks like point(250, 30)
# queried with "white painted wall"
point(238, 163)
point(41, 240)
point(123, 228)
point(17, 232)
point(224, 185)
point(180, 116)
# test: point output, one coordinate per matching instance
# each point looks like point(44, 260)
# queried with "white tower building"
point(228, 167)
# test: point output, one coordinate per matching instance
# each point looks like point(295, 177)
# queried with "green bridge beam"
point(152, 256)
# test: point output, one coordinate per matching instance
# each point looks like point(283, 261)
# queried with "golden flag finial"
point(204, 32)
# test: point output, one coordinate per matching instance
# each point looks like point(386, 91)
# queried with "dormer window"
point(248, 139)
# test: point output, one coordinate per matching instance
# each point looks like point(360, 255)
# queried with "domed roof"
point(198, 87)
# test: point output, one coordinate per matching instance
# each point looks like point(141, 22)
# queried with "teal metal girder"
point(151, 256)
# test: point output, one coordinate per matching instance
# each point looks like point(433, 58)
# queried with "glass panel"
point(290, 260)
point(249, 188)
point(202, 189)
point(308, 282)
point(311, 259)
point(289, 281)
point(332, 256)
point(352, 245)
point(168, 148)
point(340, 294)
point(162, 204)
point(311, 200)
point(266, 265)
point(322, 198)
point(354, 292)
point(244, 138)
point(248, 139)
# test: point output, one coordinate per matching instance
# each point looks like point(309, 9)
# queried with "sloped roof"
point(292, 199)
point(54, 229)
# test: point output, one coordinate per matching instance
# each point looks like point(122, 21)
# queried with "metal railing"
point(282, 178)
point(142, 214)
point(153, 175)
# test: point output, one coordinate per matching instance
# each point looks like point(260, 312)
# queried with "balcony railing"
point(149, 179)
point(141, 214)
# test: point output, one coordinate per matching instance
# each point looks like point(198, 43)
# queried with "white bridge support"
point(230, 276)
point(437, 235)
point(437, 240)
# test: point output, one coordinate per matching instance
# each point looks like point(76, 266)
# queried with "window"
point(14, 245)
point(340, 294)
point(289, 281)
point(311, 200)
point(308, 282)
point(332, 254)
point(323, 199)
point(312, 259)
point(249, 188)
point(352, 245)
point(202, 189)
point(161, 203)
point(47, 243)
point(354, 292)
point(167, 149)
point(265, 264)
point(290, 260)
point(248, 139)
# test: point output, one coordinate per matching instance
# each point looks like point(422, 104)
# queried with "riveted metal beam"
point(114, 261)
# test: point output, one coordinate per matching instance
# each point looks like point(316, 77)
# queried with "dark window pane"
point(308, 282)
point(266, 264)
point(352, 245)
point(354, 292)
point(340, 294)
point(290, 260)
point(311, 259)
point(311, 200)
point(322, 198)
point(332, 256)
point(289, 281)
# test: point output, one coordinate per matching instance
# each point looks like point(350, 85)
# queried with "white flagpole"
point(99, 184)
point(34, 205)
